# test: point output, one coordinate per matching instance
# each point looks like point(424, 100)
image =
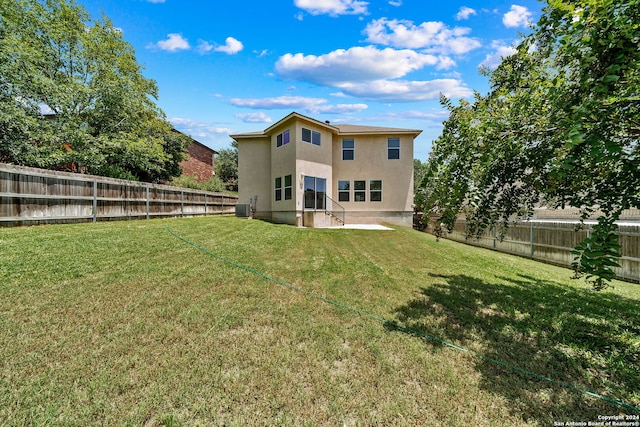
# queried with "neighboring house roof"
point(338, 129)
point(193, 141)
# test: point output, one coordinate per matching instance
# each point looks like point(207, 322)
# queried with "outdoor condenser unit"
point(243, 210)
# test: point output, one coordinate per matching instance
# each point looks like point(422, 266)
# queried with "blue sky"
point(225, 67)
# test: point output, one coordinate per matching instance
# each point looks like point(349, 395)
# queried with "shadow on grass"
point(585, 339)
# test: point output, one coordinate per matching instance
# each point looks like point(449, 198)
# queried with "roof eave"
point(414, 132)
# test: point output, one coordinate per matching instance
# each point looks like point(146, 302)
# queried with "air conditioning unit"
point(243, 210)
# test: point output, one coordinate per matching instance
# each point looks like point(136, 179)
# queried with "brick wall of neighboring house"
point(199, 162)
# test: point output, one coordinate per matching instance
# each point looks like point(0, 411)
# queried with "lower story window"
point(278, 188)
point(344, 188)
point(315, 190)
point(359, 191)
point(375, 191)
point(287, 187)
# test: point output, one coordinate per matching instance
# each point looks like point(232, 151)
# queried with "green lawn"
point(124, 324)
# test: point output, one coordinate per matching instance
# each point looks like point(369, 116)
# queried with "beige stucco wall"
point(371, 163)
point(314, 153)
point(299, 159)
point(254, 172)
point(283, 163)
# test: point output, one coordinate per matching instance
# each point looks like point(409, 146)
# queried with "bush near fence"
point(34, 196)
point(551, 241)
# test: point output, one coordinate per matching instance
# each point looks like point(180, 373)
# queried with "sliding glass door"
point(315, 190)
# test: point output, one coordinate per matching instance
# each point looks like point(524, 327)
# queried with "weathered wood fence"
point(35, 196)
point(551, 241)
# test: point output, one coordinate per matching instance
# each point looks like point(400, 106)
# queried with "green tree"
point(227, 166)
point(559, 127)
point(53, 58)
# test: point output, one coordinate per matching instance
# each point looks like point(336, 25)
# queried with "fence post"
point(147, 202)
point(182, 203)
point(95, 200)
point(494, 237)
point(205, 205)
point(531, 237)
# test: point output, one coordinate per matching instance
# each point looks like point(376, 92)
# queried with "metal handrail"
point(334, 209)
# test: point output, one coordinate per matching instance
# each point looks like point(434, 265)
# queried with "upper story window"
point(348, 149)
point(393, 148)
point(310, 136)
point(282, 138)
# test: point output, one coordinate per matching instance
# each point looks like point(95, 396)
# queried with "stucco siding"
point(254, 172)
point(314, 153)
point(283, 161)
point(371, 163)
point(402, 219)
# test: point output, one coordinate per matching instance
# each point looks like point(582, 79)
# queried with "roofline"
point(302, 117)
point(394, 131)
point(249, 135)
point(335, 129)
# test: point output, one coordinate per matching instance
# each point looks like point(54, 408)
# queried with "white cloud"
point(396, 3)
point(338, 108)
point(464, 13)
point(285, 102)
point(407, 91)
point(518, 16)
point(435, 116)
point(204, 46)
point(231, 46)
point(494, 59)
point(254, 118)
point(369, 73)
point(333, 7)
point(173, 43)
point(354, 64)
point(430, 36)
point(200, 131)
point(311, 105)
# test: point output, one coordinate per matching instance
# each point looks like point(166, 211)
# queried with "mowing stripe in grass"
point(404, 328)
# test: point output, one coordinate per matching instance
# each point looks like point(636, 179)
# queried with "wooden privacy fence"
point(552, 241)
point(34, 196)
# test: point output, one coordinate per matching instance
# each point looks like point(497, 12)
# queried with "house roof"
point(338, 129)
point(303, 118)
point(257, 134)
point(346, 129)
point(193, 141)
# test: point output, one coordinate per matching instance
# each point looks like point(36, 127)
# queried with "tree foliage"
point(55, 59)
point(227, 166)
point(559, 128)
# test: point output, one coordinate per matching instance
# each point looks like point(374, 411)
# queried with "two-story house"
point(311, 173)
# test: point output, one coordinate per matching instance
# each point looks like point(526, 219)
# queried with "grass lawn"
point(122, 323)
